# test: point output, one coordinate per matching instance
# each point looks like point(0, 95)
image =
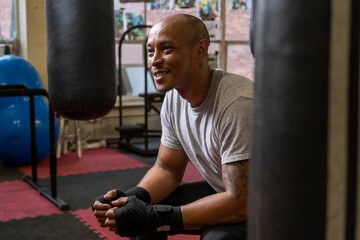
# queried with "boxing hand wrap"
point(139, 192)
point(137, 218)
point(119, 193)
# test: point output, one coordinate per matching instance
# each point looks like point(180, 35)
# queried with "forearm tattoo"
point(235, 177)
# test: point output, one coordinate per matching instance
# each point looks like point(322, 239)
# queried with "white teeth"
point(161, 74)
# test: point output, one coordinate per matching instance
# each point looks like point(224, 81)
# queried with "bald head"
point(191, 26)
point(177, 49)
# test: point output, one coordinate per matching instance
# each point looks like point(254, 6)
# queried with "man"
point(206, 117)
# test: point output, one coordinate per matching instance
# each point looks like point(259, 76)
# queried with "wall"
point(32, 35)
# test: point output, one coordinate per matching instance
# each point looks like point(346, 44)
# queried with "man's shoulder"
point(235, 86)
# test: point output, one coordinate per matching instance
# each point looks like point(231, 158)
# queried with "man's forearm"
point(217, 209)
point(160, 183)
point(166, 174)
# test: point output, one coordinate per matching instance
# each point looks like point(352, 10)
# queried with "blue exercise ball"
point(15, 139)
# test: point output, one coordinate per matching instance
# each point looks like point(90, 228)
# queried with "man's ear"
point(202, 48)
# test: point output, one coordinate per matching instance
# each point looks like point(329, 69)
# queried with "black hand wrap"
point(119, 193)
point(139, 192)
point(137, 218)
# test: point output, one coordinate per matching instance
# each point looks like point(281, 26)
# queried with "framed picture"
point(236, 4)
point(161, 5)
point(185, 3)
point(208, 9)
point(134, 18)
point(119, 23)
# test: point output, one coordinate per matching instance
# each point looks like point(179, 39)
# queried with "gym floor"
point(25, 214)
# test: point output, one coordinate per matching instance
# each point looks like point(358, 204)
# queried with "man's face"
point(170, 57)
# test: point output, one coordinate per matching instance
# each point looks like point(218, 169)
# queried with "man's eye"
point(167, 48)
point(150, 52)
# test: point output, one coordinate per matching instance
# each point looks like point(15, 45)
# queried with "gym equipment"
point(289, 156)
point(21, 90)
point(14, 112)
point(141, 130)
point(64, 137)
point(81, 57)
point(15, 72)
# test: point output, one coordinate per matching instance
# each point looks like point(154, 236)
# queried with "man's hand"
point(110, 220)
point(100, 210)
point(134, 217)
point(113, 193)
point(103, 203)
point(110, 216)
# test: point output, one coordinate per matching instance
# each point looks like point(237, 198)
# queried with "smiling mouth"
point(159, 74)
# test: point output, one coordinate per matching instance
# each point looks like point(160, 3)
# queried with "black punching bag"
point(81, 57)
point(287, 194)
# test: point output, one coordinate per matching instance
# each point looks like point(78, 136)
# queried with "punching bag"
point(288, 170)
point(81, 57)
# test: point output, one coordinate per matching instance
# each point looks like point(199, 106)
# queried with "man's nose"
point(156, 60)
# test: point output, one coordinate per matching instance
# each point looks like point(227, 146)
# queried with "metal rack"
point(22, 90)
point(127, 133)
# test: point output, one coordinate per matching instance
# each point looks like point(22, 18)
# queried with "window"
point(7, 27)
point(239, 59)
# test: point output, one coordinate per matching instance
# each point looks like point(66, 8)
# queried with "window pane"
point(213, 55)
point(240, 61)
point(237, 24)
point(239, 58)
point(5, 18)
point(238, 13)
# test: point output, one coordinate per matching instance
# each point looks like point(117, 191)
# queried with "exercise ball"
point(15, 139)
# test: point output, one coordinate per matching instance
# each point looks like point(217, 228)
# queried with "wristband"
point(140, 193)
point(169, 218)
point(138, 218)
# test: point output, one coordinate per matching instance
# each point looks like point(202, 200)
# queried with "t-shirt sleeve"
point(235, 131)
point(168, 136)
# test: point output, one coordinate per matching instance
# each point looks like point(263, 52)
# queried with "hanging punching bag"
point(287, 187)
point(81, 57)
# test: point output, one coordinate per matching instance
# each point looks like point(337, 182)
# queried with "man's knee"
point(225, 232)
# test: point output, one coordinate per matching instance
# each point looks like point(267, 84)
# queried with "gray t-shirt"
point(216, 132)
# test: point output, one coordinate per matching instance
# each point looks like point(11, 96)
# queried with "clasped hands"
point(104, 212)
point(129, 216)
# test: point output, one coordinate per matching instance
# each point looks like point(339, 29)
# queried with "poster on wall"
point(119, 23)
point(208, 9)
point(161, 5)
point(185, 3)
point(236, 4)
point(134, 18)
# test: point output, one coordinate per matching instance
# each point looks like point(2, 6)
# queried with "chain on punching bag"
point(81, 57)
